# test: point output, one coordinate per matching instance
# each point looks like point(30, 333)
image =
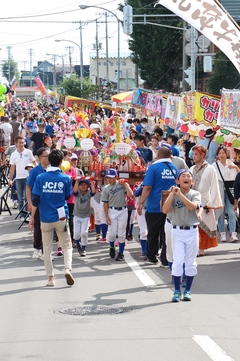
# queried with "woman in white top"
point(154, 147)
point(229, 172)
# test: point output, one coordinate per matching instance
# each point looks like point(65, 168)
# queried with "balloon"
point(219, 139)
point(236, 143)
point(65, 166)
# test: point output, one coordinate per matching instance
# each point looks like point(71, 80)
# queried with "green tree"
point(13, 67)
point(157, 51)
point(225, 75)
point(71, 85)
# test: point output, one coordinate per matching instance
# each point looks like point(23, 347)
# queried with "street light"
point(83, 7)
point(80, 52)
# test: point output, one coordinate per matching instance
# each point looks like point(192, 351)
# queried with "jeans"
point(21, 192)
point(228, 208)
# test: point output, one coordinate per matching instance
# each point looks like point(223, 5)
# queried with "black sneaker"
point(112, 252)
point(153, 260)
point(120, 257)
point(79, 248)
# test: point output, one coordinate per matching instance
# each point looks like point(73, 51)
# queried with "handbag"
point(229, 187)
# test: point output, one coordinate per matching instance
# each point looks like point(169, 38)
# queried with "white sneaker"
point(36, 253)
point(51, 283)
point(223, 237)
point(233, 237)
point(69, 277)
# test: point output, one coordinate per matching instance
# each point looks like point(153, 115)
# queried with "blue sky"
point(26, 25)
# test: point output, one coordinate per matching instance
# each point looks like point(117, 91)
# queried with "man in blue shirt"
point(159, 176)
point(50, 192)
point(172, 139)
point(144, 151)
point(210, 144)
point(42, 154)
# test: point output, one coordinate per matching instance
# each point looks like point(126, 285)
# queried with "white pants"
point(64, 240)
point(118, 225)
point(185, 249)
point(142, 224)
point(102, 214)
point(168, 240)
point(80, 229)
point(97, 211)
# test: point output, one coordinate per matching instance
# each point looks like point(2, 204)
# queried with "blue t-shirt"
point(146, 154)
point(175, 151)
point(33, 175)
point(52, 187)
point(50, 129)
point(160, 178)
point(212, 150)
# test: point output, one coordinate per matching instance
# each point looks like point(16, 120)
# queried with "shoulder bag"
point(229, 187)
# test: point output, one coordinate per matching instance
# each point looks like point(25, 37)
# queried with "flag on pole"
point(213, 21)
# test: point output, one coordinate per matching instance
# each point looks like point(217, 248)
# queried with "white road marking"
point(139, 272)
point(215, 352)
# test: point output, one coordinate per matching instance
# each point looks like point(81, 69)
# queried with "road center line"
point(215, 352)
point(139, 272)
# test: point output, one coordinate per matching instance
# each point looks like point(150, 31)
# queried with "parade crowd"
point(186, 204)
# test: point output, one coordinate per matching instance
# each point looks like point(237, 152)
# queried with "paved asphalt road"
point(36, 324)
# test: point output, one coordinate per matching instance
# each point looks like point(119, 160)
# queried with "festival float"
point(79, 138)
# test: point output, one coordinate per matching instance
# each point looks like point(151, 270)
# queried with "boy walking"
point(114, 198)
point(185, 204)
point(82, 212)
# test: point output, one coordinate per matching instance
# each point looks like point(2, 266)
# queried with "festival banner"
point(154, 103)
point(87, 105)
point(229, 113)
point(200, 108)
point(139, 97)
point(40, 85)
point(213, 21)
point(173, 109)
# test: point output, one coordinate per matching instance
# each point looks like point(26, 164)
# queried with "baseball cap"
point(111, 173)
point(83, 180)
point(30, 165)
point(74, 156)
point(166, 145)
point(181, 171)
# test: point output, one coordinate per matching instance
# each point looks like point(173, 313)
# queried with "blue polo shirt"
point(33, 175)
point(160, 178)
point(52, 187)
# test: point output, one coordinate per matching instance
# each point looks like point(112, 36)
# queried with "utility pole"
point(69, 48)
point(31, 54)
point(9, 49)
point(81, 58)
point(97, 52)
point(107, 60)
point(24, 64)
point(184, 60)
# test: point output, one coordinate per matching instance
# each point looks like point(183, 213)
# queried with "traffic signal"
point(127, 20)
point(188, 79)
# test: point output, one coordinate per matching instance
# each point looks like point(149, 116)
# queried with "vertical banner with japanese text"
point(212, 21)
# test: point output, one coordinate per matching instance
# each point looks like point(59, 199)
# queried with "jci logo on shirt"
point(53, 187)
point(167, 173)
